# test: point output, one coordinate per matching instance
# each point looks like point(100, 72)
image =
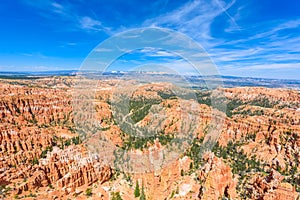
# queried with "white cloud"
point(268, 49)
point(273, 66)
point(58, 8)
point(66, 12)
point(195, 19)
point(155, 52)
point(102, 50)
point(233, 25)
point(162, 54)
point(281, 26)
point(89, 23)
point(221, 55)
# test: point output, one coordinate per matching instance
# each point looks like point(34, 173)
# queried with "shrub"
point(116, 196)
point(88, 192)
point(35, 161)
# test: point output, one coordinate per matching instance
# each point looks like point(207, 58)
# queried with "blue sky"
point(243, 38)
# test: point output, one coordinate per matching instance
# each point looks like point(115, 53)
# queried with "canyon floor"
point(50, 150)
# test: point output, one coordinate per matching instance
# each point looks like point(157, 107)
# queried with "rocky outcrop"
point(65, 170)
point(217, 179)
point(283, 191)
point(27, 106)
point(271, 187)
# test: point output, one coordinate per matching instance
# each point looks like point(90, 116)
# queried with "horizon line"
point(52, 73)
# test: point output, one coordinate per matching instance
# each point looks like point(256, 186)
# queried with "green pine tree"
point(143, 196)
point(137, 192)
